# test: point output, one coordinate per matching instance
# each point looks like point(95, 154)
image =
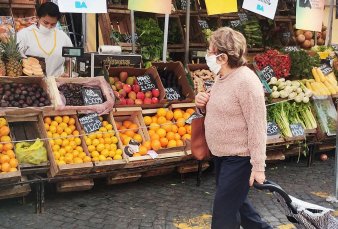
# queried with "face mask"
point(45, 30)
point(212, 63)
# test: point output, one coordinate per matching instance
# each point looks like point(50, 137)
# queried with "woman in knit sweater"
point(235, 129)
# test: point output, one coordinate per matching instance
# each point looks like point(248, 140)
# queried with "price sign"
point(326, 69)
point(145, 82)
point(90, 122)
point(208, 84)
point(291, 49)
point(235, 24)
point(183, 4)
point(297, 130)
point(272, 129)
point(92, 96)
point(243, 17)
point(268, 73)
point(172, 94)
point(286, 35)
point(203, 24)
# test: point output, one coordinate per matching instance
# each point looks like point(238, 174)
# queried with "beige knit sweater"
point(235, 123)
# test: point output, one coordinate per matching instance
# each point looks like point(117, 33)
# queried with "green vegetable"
point(279, 114)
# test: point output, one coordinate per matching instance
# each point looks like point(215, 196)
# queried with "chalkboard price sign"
point(172, 94)
point(92, 96)
point(203, 24)
point(286, 34)
point(297, 130)
point(243, 17)
point(268, 73)
point(145, 82)
point(326, 69)
point(208, 84)
point(291, 49)
point(272, 129)
point(90, 122)
point(235, 24)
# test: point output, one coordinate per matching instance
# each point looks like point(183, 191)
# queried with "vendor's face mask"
point(45, 30)
point(212, 63)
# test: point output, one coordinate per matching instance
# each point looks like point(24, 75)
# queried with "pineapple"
point(12, 57)
point(2, 63)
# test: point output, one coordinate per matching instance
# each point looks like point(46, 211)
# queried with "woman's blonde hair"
point(232, 43)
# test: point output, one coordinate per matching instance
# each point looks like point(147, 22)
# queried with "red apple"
point(123, 101)
point(138, 101)
point(130, 102)
point(155, 92)
point(147, 101)
point(122, 93)
point(132, 95)
point(140, 95)
point(127, 88)
point(118, 85)
point(136, 88)
point(117, 95)
point(148, 94)
point(154, 100)
point(123, 76)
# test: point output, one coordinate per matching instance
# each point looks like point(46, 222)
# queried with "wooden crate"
point(25, 2)
point(16, 191)
point(23, 10)
point(68, 169)
point(194, 67)
point(100, 166)
point(75, 185)
point(179, 72)
point(123, 178)
point(28, 127)
point(139, 72)
point(191, 167)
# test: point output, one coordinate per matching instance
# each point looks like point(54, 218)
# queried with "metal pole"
point(84, 31)
point(73, 28)
point(165, 40)
point(329, 35)
point(97, 31)
point(187, 32)
point(132, 19)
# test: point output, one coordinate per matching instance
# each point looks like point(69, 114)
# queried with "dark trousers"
point(231, 207)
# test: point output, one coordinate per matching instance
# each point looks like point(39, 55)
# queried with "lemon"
point(118, 152)
point(102, 158)
point(117, 157)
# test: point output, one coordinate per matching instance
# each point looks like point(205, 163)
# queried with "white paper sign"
point(266, 8)
point(83, 6)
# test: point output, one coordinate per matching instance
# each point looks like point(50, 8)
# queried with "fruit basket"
point(103, 146)
point(67, 151)
point(201, 75)
point(9, 169)
point(126, 87)
point(68, 94)
point(24, 95)
point(173, 76)
point(129, 125)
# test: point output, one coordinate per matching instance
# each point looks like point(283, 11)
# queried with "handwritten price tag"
point(297, 130)
point(272, 129)
point(92, 96)
point(326, 69)
point(172, 94)
point(268, 73)
point(146, 83)
point(90, 122)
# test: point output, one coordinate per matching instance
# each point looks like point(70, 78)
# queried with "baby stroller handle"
point(273, 187)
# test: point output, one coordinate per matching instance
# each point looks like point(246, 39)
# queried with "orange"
point(47, 120)
point(86, 159)
point(95, 142)
point(76, 133)
point(105, 123)
point(65, 142)
point(4, 159)
point(172, 143)
point(102, 158)
point(164, 142)
point(136, 155)
point(91, 148)
point(133, 127)
point(13, 169)
point(161, 112)
point(4, 131)
point(182, 131)
point(98, 134)
point(113, 147)
point(10, 153)
point(138, 138)
point(78, 141)
point(5, 139)
point(88, 141)
point(78, 160)
point(177, 136)
point(167, 126)
point(188, 128)
point(100, 147)
point(122, 129)
point(147, 120)
point(161, 120)
point(126, 123)
point(68, 149)
point(151, 132)
point(107, 141)
point(179, 143)
point(1, 147)
point(170, 136)
point(178, 114)
point(117, 157)
point(72, 127)
point(190, 111)
point(95, 154)
point(105, 153)
point(186, 136)
point(71, 121)
point(109, 126)
point(169, 116)
point(54, 123)
point(147, 144)
point(118, 125)
point(5, 167)
point(180, 122)
point(186, 116)
point(154, 119)
point(130, 133)
point(52, 129)
point(143, 150)
point(114, 140)
point(46, 126)
point(63, 125)
point(155, 137)
point(79, 148)
point(59, 130)
point(8, 146)
point(69, 131)
point(63, 135)
point(154, 126)
point(174, 129)
point(65, 119)
point(58, 119)
point(62, 152)
point(155, 145)
point(161, 132)
point(103, 130)
point(126, 140)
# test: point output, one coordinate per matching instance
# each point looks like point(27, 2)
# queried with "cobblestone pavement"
point(165, 202)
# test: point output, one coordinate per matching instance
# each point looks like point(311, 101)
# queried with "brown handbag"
point(199, 146)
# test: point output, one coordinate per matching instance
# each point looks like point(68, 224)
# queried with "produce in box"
point(8, 162)
point(102, 144)
point(327, 114)
point(66, 143)
point(10, 58)
point(253, 34)
point(6, 28)
point(169, 80)
point(21, 23)
point(199, 77)
point(306, 38)
point(322, 85)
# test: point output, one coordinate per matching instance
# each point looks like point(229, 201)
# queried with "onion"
point(306, 44)
point(320, 41)
point(300, 38)
point(308, 35)
point(323, 157)
point(298, 32)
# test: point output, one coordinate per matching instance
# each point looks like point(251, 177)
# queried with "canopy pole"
point(132, 19)
point(165, 40)
point(187, 32)
point(330, 21)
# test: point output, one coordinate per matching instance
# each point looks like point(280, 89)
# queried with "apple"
point(155, 92)
point(118, 85)
point(113, 87)
point(138, 101)
point(140, 95)
point(136, 88)
point(111, 80)
point(154, 100)
point(116, 79)
point(123, 101)
point(127, 88)
point(130, 80)
point(123, 76)
point(148, 94)
point(122, 93)
point(147, 101)
point(132, 95)
point(130, 102)
point(117, 95)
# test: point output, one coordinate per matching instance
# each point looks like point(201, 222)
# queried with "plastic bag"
point(31, 153)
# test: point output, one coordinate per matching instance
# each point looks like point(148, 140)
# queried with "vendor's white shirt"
point(29, 47)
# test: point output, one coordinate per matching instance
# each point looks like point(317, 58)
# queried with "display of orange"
point(86, 159)
point(126, 140)
point(71, 121)
point(164, 142)
point(4, 159)
point(182, 131)
point(59, 129)
point(155, 144)
point(8, 146)
point(58, 119)
point(188, 128)
point(178, 114)
point(147, 120)
point(4, 131)
point(126, 123)
point(154, 119)
point(161, 120)
point(10, 153)
point(133, 127)
point(186, 136)
point(72, 127)
point(170, 136)
point(174, 128)
point(5, 167)
point(1, 147)
point(130, 133)
point(122, 129)
point(147, 144)
point(154, 126)
point(177, 136)
point(155, 137)
point(5, 139)
point(105, 153)
point(161, 112)
point(151, 132)
point(47, 120)
point(180, 122)
point(179, 143)
point(167, 126)
point(190, 111)
point(65, 119)
point(161, 132)
point(100, 147)
point(118, 125)
point(172, 143)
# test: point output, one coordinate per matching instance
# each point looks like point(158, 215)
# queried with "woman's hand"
point(65, 75)
point(257, 176)
point(202, 99)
